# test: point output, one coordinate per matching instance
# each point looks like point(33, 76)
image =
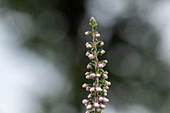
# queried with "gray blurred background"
point(42, 61)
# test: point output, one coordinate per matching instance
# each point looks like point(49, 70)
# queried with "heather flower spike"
point(95, 103)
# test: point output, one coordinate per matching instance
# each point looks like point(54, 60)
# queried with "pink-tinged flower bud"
point(91, 56)
point(105, 76)
point(102, 43)
point(84, 101)
point(88, 46)
point(105, 61)
point(107, 87)
point(102, 51)
point(84, 85)
point(97, 35)
point(96, 105)
point(92, 75)
point(88, 77)
point(87, 33)
point(105, 100)
point(90, 96)
point(98, 75)
point(102, 106)
point(92, 89)
point(87, 53)
point(105, 94)
point(106, 72)
point(87, 112)
point(98, 89)
point(89, 106)
point(100, 66)
point(100, 99)
point(104, 91)
point(89, 66)
point(87, 88)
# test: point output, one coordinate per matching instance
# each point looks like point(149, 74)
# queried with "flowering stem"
point(98, 90)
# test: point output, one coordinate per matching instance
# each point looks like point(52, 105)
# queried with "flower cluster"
point(98, 89)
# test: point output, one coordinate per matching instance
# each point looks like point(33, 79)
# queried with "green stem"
point(96, 67)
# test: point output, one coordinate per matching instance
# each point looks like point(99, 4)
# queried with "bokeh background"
point(42, 61)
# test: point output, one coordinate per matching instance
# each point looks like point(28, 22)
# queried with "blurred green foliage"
point(137, 73)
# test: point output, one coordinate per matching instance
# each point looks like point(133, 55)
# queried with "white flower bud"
point(87, 33)
point(92, 75)
point(87, 53)
point(97, 35)
point(92, 89)
point(102, 106)
point(96, 105)
point(102, 51)
point(90, 96)
point(89, 106)
point(89, 66)
point(105, 94)
point(98, 89)
point(88, 77)
point(98, 75)
point(105, 72)
point(105, 100)
point(100, 66)
point(84, 85)
point(102, 43)
point(100, 99)
point(105, 76)
point(88, 46)
point(87, 73)
point(92, 19)
point(104, 91)
point(84, 101)
point(91, 56)
point(108, 83)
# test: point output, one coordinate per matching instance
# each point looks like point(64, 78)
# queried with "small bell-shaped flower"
point(89, 106)
point(100, 66)
point(98, 89)
point(97, 35)
point(105, 76)
point(87, 32)
point(92, 89)
point(102, 106)
point(102, 43)
point(100, 99)
point(89, 66)
point(96, 105)
point(84, 101)
point(84, 85)
point(91, 56)
point(102, 51)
